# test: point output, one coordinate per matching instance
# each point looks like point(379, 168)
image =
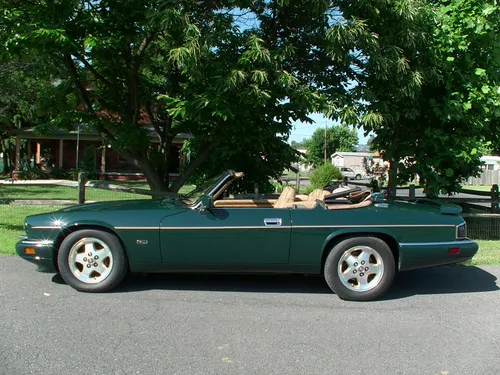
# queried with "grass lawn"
point(11, 223)
point(477, 187)
point(56, 192)
point(488, 254)
point(12, 218)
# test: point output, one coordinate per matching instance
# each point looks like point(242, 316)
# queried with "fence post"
point(256, 189)
point(412, 192)
point(494, 198)
point(81, 187)
point(297, 181)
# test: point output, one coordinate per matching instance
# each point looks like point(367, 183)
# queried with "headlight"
point(461, 231)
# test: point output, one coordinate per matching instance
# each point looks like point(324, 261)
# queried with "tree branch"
point(94, 72)
point(193, 165)
point(84, 96)
point(134, 74)
point(82, 91)
point(153, 122)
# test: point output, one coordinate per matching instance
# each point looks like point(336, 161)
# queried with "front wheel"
point(92, 261)
point(360, 268)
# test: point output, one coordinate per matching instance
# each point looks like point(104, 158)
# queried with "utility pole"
point(325, 142)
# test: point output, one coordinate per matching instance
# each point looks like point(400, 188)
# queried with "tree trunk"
point(195, 163)
point(153, 177)
point(2, 169)
point(393, 179)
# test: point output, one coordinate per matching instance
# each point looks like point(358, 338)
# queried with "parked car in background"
point(350, 173)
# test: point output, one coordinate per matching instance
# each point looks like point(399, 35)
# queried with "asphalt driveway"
point(439, 321)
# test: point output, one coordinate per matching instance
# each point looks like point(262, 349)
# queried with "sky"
point(303, 130)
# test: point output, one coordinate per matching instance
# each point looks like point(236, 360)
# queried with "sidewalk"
point(39, 182)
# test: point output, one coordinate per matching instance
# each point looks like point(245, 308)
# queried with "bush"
point(32, 173)
point(324, 175)
point(59, 174)
point(307, 189)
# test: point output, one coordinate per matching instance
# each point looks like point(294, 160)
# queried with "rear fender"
point(390, 238)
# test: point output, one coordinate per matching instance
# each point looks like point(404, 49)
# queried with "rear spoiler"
point(445, 208)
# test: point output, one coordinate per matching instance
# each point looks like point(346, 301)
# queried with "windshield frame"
point(208, 188)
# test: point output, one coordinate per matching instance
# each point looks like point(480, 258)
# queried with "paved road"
point(438, 321)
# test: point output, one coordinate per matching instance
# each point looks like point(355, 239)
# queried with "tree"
point(422, 73)
point(182, 67)
point(338, 138)
point(301, 144)
point(27, 95)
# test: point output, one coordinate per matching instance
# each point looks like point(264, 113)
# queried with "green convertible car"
point(355, 239)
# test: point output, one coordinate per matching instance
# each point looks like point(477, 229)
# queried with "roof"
point(490, 158)
point(84, 134)
point(355, 154)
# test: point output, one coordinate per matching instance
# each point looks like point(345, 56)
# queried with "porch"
point(62, 150)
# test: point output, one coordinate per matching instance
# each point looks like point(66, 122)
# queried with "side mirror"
point(205, 204)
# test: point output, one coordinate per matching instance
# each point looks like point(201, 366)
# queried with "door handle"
point(272, 222)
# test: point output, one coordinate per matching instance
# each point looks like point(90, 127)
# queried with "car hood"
point(140, 204)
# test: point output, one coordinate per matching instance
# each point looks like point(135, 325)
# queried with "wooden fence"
point(486, 178)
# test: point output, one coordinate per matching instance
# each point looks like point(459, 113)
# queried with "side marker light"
point(29, 251)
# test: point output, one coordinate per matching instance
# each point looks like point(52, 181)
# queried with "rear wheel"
point(358, 177)
point(360, 268)
point(92, 261)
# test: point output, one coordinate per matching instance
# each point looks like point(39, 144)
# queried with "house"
point(63, 149)
point(353, 160)
point(303, 165)
point(490, 163)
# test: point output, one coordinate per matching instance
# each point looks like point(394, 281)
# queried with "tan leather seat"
point(318, 194)
point(287, 196)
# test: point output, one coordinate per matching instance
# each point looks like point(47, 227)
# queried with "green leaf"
point(480, 72)
point(449, 172)
point(450, 58)
point(485, 89)
point(89, 43)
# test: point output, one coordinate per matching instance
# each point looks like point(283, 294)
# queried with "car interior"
point(341, 198)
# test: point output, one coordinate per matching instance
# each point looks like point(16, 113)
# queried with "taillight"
point(461, 231)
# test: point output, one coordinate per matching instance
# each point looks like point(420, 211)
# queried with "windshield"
point(204, 189)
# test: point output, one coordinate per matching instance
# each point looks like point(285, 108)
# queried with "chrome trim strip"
point(287, 227)
point(447, 243)
point(37, 242)
point(46, 227)
point(203, 228)
point(235, 227)
point(376, 226)
point(137, 228)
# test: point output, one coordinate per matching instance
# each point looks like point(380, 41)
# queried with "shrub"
point(278, 186)
point(32, 173)
point(307, 189)
point(324, 175)
point(59, 174)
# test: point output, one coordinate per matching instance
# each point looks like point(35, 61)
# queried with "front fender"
point(72, 225)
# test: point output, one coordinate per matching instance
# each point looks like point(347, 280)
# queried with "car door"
point(227, 236)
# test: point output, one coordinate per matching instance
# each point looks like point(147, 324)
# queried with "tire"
point(345, 268)
point(358, 177)
point(102, 270)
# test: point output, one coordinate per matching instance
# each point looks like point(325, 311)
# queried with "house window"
point(120, 159)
